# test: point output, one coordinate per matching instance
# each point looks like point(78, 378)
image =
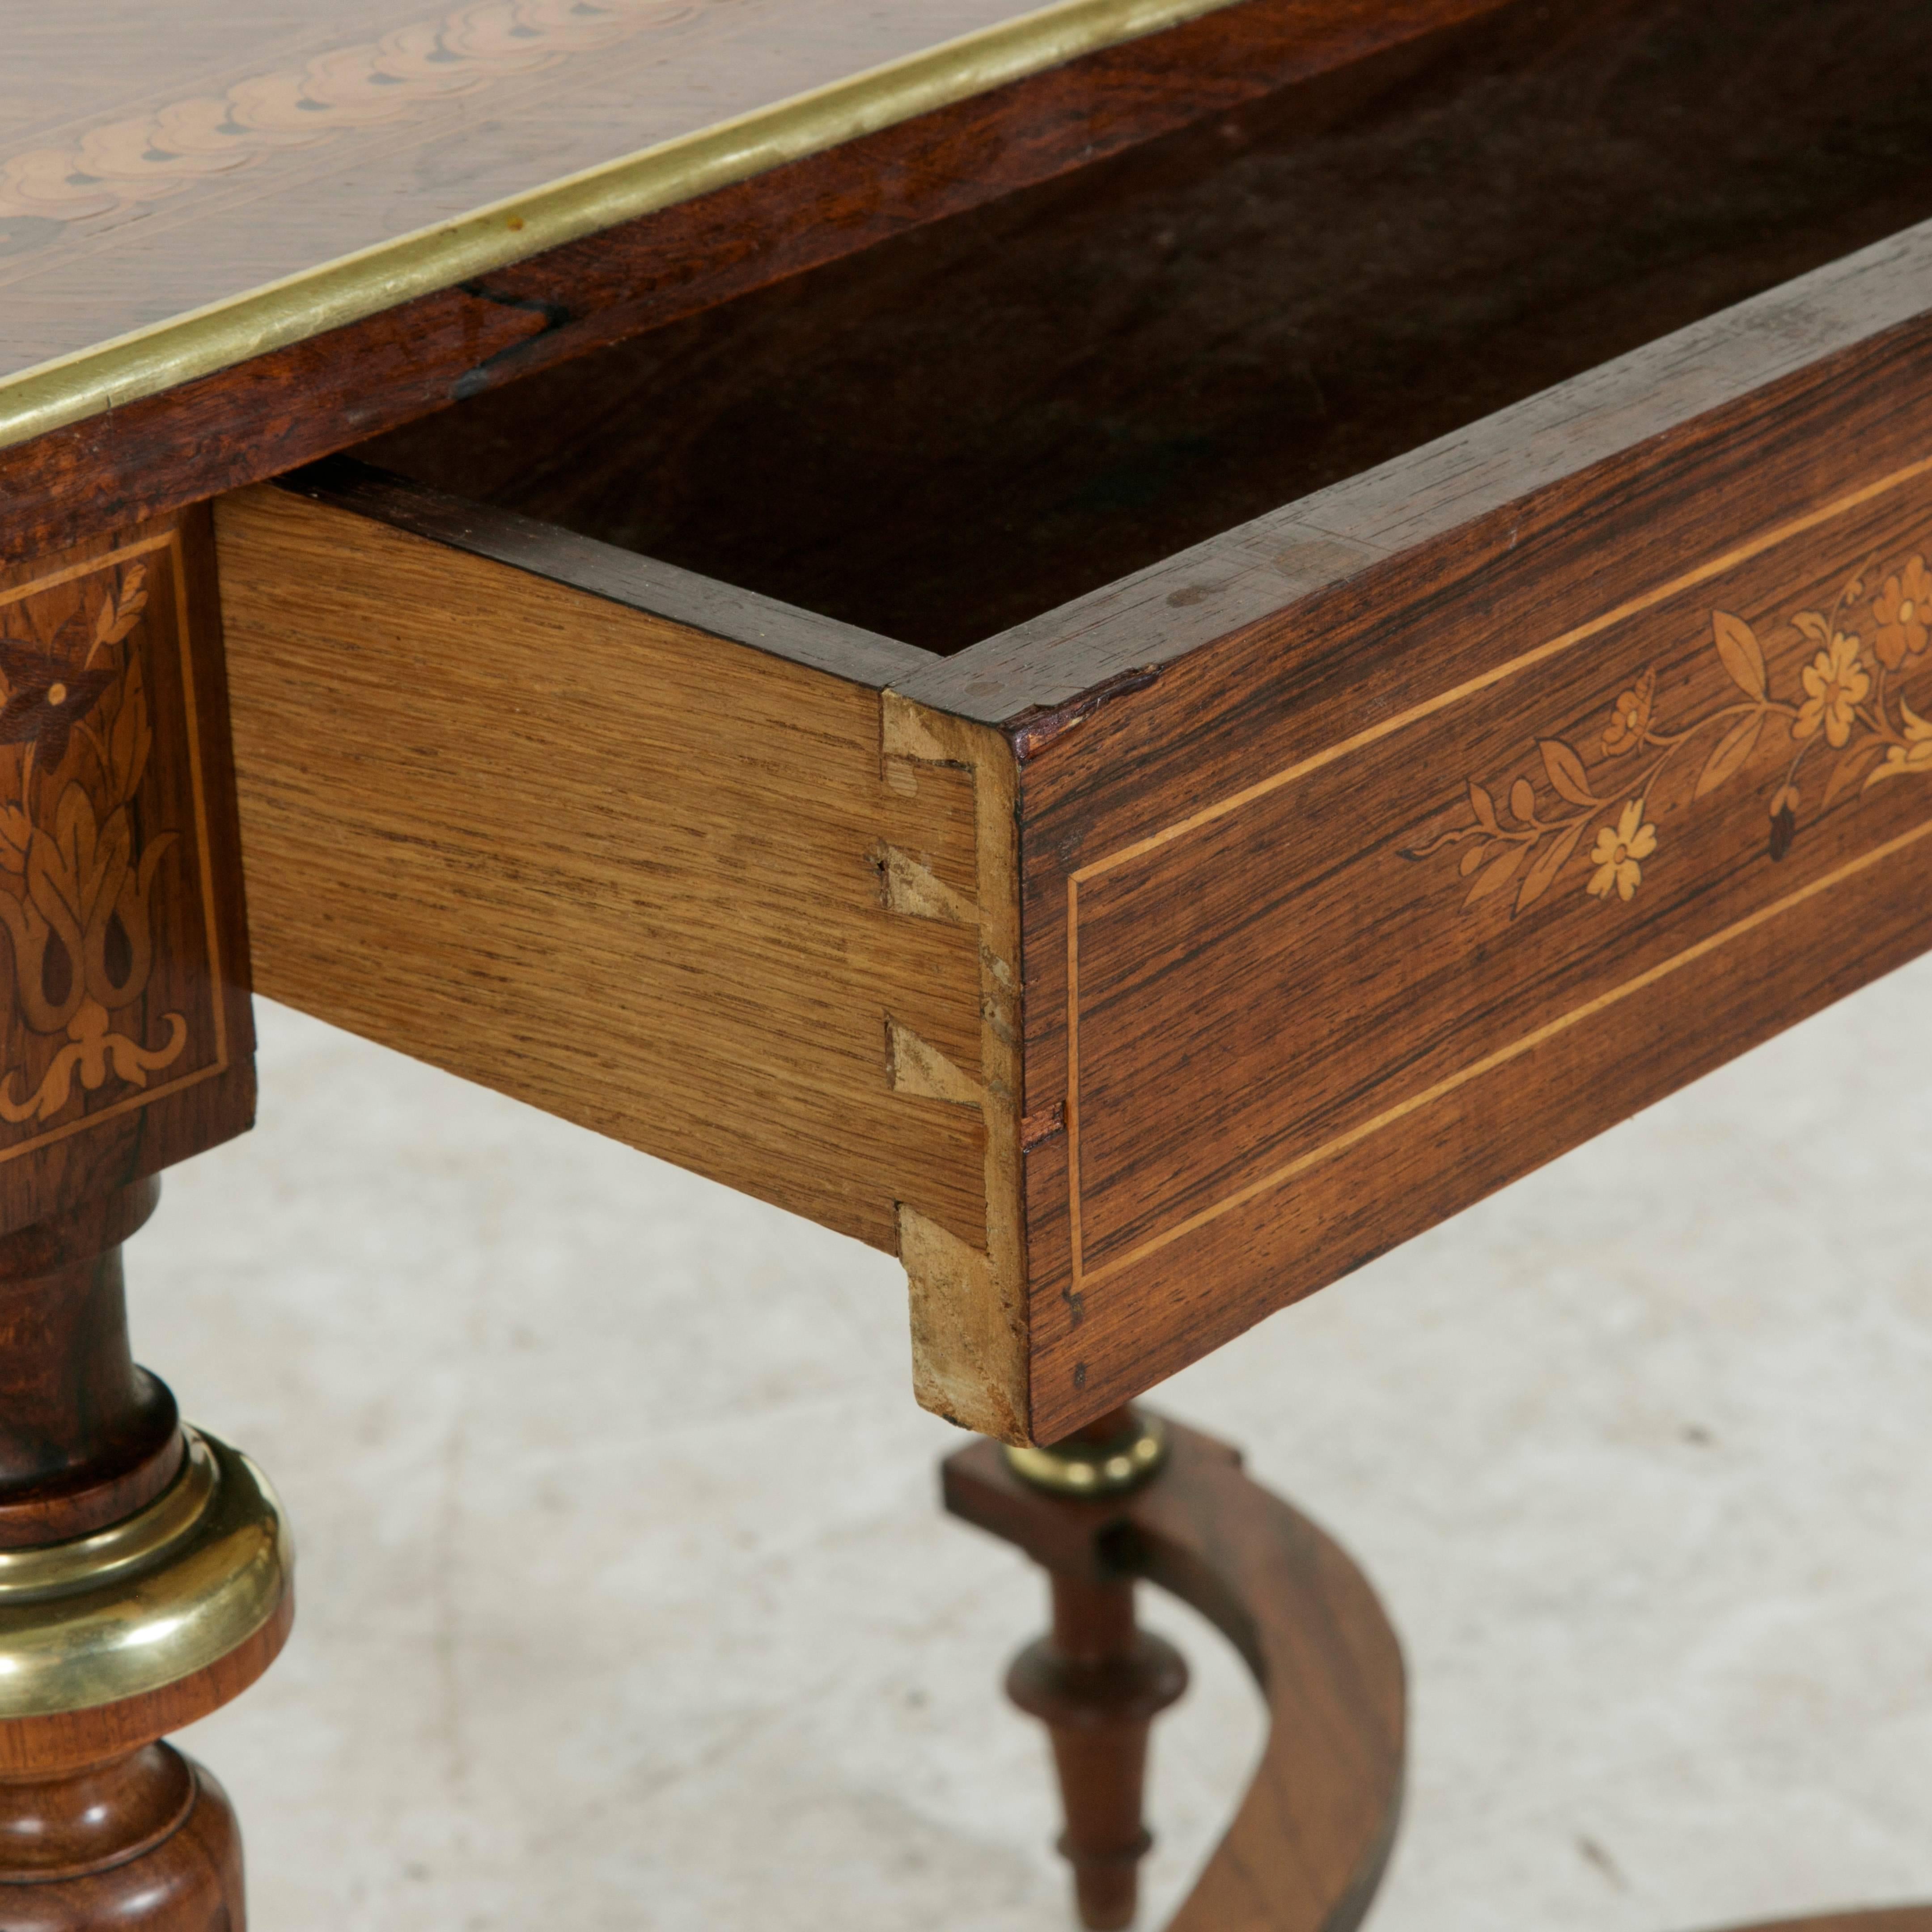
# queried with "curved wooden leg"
point(1307, 1849)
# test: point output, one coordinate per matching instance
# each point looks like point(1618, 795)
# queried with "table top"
point(183, 187)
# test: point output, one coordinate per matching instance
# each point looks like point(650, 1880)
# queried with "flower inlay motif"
point(76, 874)
point(1846, 709)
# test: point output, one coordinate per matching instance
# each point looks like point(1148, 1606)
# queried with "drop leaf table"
point(1130, 650)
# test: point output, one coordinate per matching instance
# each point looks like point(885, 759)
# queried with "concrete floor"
point(626, 1603)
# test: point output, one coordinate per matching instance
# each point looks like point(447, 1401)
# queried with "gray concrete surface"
point(625, 1604)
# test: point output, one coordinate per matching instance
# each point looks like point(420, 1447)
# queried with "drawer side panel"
point(634, 874)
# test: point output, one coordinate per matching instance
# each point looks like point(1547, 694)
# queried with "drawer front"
point(1335, 926)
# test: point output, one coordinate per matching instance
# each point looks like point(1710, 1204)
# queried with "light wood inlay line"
point(92, 567)
point(132, 1104)
point(1502, 1055)
point(216, 964)
point(1501, 673)
point(171, 542)
point(1706, 572)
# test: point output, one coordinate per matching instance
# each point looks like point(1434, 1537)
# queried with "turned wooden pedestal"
point(1097, 1682)
point(145, 1579)
point(145, 1571)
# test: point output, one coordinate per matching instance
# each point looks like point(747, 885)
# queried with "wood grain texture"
point(128, 1041)
point(1307, 1847)
point(656, 854)
point(1085, 378)
point(1292, 1046)
point(150, 168)
point(1858, 320)
point(1097, 1680)
point(1257, 1091)
point(970, 1350)
point(65, 1827)
point(100, 1824)
point(287, 407)
point(87, 1437)
point(619, 575)
point(660, 881)
point(187, 1880)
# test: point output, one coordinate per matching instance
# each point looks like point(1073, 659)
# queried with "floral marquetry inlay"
point(1827, 691)
point(125, 164)
point(106, 941)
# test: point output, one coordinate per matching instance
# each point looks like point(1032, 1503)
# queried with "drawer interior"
point(981, 420)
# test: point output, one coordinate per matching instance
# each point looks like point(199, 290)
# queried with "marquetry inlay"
point(1541, 847)
point(147, 157)
point(107, 916)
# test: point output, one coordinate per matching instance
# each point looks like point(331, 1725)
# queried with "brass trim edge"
point(149, 1601)
point(52, 394)
point(1079, 1468)
point(130, 1547)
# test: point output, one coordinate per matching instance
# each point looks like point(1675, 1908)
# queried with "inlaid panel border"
point(1212, 813)
point(170, 543)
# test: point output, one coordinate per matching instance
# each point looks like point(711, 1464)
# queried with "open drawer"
point(893, 750)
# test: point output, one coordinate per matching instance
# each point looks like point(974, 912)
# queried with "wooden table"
point(721, 566)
